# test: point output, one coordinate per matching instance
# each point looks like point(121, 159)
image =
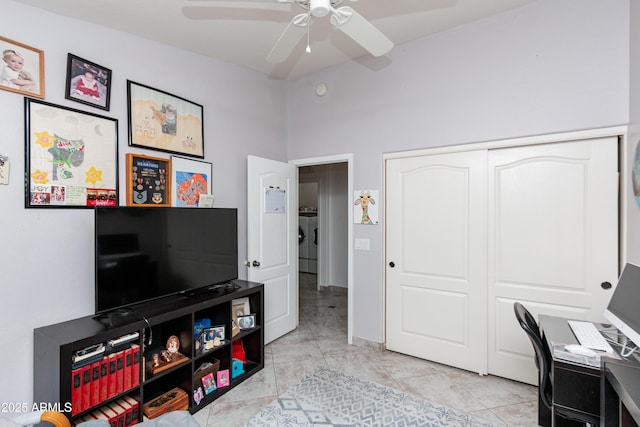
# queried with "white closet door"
point(436, 267)
point(553, 239)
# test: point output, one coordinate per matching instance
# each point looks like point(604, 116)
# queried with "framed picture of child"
point(87, 82)
point(22, 68)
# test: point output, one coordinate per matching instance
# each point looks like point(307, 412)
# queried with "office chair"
point(547, 414)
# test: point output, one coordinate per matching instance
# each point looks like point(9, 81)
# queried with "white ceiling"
point(243, 32)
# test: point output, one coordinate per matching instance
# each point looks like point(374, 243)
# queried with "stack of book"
point(120, 413)
point(97, 376)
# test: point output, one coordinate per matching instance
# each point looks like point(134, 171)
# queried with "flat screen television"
point(145, 253)
point(623, 310)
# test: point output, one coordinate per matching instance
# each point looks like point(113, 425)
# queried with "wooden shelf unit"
point(55, 344)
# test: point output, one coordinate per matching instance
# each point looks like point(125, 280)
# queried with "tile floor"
point(321, 339)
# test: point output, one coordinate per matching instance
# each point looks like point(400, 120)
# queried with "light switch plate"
point(363, 245)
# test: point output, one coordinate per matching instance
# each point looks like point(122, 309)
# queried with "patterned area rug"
point(328, 398)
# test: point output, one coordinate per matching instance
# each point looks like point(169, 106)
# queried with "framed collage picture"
point(71, 157)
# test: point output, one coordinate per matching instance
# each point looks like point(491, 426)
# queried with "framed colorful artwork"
point(71, 157)
point(191, 178)
point(365, 210)
point(161, 121)
point(148, 181)
point(22, 68)
point(87, 82)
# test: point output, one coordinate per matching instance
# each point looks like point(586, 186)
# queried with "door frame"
point(620, 132)
point(324, 160)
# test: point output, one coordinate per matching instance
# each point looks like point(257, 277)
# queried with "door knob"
point(256, 263)
point(392, 264)
point(606, 285)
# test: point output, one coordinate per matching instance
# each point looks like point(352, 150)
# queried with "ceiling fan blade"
point(361, 31)
point(289, 38)
point(252, 1)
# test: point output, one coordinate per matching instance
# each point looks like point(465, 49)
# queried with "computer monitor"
point(623, 310)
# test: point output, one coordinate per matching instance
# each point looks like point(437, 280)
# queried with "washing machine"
point(303, 244)
point(313, 244)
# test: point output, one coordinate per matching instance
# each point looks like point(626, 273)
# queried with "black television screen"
point(144, 253)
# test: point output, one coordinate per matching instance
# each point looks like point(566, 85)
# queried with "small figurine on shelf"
point(173, 344)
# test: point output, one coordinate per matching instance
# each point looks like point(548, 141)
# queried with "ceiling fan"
point(343, 18)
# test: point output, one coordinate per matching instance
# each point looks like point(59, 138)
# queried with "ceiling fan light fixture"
point(320, 8)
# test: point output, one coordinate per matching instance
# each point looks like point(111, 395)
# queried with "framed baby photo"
point(88, 82)
point(22, 68)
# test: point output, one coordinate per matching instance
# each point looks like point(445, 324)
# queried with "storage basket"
point(197, 376)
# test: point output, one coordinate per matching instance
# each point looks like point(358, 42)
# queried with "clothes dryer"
point(313, 244)
point(303, 244)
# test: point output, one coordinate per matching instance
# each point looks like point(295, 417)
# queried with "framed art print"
point(22, 68)
point(148, 181)
point(191, 178)
point(88, 83)
point(71, 157)
point(161, 121)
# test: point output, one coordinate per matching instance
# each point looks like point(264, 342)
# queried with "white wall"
point(46, 257)
point(550, 66)
point(633, 210)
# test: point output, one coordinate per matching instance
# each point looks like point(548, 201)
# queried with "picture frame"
point(161, 121)
point(191, 178)
point(223, 378)
point(214, 332)
point(247, 322)
point(239, 307)
point(209, 383)
point(71, 157)
point(148, 181)
point(22, 68)
point(87, 82)
point(198, 395)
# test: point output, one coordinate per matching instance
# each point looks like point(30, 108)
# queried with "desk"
point(620, 394)
point(576, 387)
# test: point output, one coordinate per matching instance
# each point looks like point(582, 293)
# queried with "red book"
point(95, 383)
point(121, 413)
point(104, 379)
point(128, 366)
point(86, 387)
point(128, 411)
point(135, 368)
point(98, 415)
point(76, 391)
point(111, 415)
point(120, 372)
point(135, 408)
point(111, 380)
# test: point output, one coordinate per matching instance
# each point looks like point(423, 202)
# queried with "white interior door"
point(272, 249)
point(436, 272)
point(553, 239)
